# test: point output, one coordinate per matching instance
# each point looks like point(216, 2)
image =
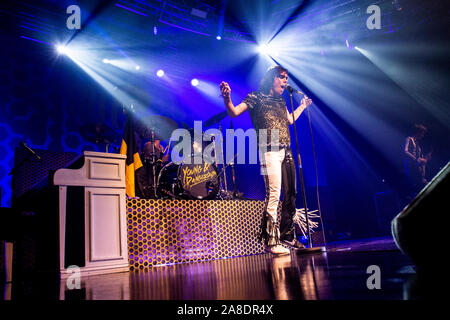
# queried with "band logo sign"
point(197, 174)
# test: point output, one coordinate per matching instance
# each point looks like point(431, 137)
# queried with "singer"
point(268, 110)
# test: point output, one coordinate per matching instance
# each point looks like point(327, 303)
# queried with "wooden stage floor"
point(338, 274)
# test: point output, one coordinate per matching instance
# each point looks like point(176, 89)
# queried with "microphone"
point(30, 150)
point(291, 90)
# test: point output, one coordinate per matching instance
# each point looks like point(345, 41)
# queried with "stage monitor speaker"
point(419, 230)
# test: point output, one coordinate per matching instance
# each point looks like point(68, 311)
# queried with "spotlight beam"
point(347, 130)
point(401, 84)
point(223, 6)
point(303, 6)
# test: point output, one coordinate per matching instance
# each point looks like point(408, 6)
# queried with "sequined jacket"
point(269, 112)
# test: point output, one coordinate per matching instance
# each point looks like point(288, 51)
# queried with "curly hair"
point(267, 80)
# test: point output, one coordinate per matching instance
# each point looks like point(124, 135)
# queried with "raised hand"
point(225, 89)
point(306, 102)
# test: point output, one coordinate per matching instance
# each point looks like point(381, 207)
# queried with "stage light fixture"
point(194, 82)
point(160, 73)
point(138, 67)
point(61, 49)
point(268, 50)
point(106, 61)
point(263, 49)
point(219, 38)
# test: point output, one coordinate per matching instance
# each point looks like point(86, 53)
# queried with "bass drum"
point(188, 181)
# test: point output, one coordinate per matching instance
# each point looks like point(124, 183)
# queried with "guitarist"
point(415, 161)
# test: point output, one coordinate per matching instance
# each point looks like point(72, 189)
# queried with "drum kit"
point(193, 178)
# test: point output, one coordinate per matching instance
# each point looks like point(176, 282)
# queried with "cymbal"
point(99, 133)
point(160, 125)
point(214, 119)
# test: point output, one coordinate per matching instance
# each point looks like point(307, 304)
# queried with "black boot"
point(270, 234)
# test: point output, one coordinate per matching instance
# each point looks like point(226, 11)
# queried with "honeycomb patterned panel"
point(178, 231)
point(33, 171)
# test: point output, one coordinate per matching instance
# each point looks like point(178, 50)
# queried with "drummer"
point(147, 152)
point(146, 180)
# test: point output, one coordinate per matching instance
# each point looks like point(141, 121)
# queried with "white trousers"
point(271, 169)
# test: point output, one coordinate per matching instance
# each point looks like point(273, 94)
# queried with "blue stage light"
point(160, 73)
point(268, 50)
point(194, 82)
point(61, 49)
point(219, 38)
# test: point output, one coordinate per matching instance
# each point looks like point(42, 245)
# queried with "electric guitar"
point(422, 166)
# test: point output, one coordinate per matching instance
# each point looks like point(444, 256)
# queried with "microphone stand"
point(233, 178)
point(310, 248)
point(233, 173)
point(153, 162)
point(224, 182)
point(236, 195)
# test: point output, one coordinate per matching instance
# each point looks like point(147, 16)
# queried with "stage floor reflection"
point(340, 273)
